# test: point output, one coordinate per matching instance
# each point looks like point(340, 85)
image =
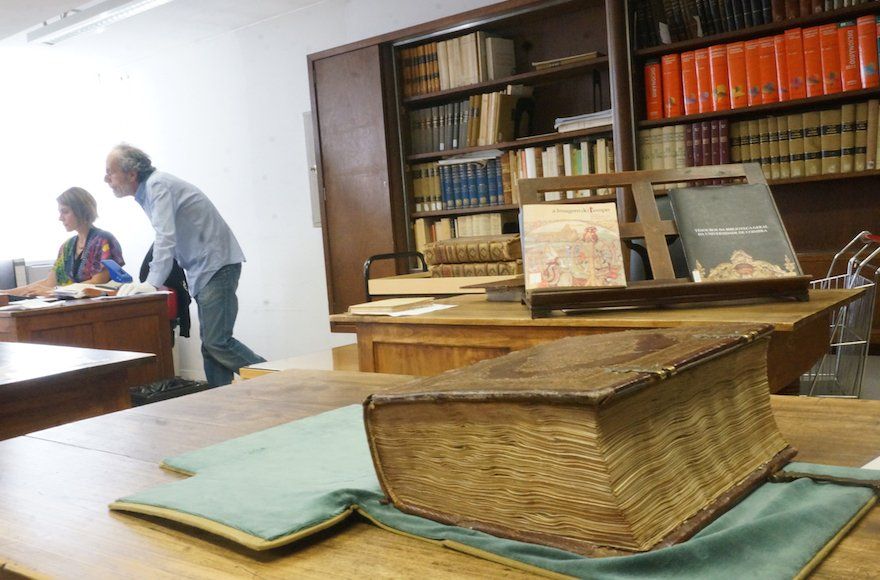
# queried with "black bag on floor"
point(166, 389)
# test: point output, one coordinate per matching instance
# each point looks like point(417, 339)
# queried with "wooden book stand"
point(638, 188)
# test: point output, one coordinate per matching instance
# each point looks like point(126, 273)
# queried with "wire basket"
point(839, 372)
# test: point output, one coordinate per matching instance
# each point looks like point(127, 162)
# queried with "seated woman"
point(79, 259)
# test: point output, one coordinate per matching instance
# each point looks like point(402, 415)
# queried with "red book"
point(718, 73)
point(753, 71)
point(670, 66)
point(704, 80)
point(689, 83)
point(653, 91)
point(781, 67)
point(767, 54)
point(697, 138)
point(794, 62)
point(736, 69)
point(866, 26)
point(813, 62)
point(829, 52)
point(848, 44)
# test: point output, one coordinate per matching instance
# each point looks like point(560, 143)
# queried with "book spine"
point(769, 92)
point(653, 91)
point(873, 121)
point(805, 7)
point(688, 146)
point(848, 42)
point(764, 137)
point(753, 71)
point(830, 55)
point(777, 10)
point(506, 197)
point(796, 144)
point(813, 61)
point(861, 137)
point(754, 141)
point(791, 9)
point(697, 144)
point(720, 78)
point(736, 68)
point(670, 66)
point(781, 68)
point(812, 144)
point(773, 143)
point(446, 187)
point(866, 27)
point(736, 131)
point(794, 62)
point(723, 141)
point(784, 147)
point(459, 186)
point(704, 80)
point(706, 142)
point(689, 83)
point(847, 137)
point(829, 120)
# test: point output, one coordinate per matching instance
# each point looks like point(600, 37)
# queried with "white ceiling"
point(176, 23)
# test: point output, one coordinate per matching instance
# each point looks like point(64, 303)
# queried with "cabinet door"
point(358, 213)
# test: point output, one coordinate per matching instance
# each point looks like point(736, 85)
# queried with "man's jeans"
point(218, 308)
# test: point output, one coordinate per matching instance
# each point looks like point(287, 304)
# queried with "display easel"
point(639, 188)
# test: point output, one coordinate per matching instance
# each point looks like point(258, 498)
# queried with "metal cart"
point(839, 372)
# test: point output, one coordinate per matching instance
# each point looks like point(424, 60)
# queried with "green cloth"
point(292, 477)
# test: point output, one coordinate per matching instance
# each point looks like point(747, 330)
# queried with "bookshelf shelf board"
point(827, 177)
point(524, 142)
point(465, 211)
point(840, 14)
point(536, 77)
point(758, 110)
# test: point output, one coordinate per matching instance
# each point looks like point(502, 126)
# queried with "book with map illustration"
point(572, 246)
point(732, 232)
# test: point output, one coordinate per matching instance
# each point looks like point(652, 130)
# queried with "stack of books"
point(585, 121)
point(475, 256)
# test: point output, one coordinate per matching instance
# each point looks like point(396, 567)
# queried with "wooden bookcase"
point(362, 128)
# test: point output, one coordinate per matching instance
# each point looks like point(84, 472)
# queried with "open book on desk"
point(82, 290)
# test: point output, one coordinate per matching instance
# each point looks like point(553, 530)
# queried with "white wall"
point(223, 113)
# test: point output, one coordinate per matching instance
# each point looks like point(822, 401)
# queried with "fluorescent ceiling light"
point(90, 20)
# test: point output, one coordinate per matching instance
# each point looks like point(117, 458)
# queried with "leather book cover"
point(830, 55)
point(805, 8)
point(732, 232)
point(670, 66)
point(796, 144)
point(813, 61)
point(777, 9)
point(784, 147)
point(781, 67)
point(499, 248)
point(848, 43)
point(720, 78)
point(753, 71)
point(723, 141)
point(736, 130)
point(706, 141)
point(873, 141)
point(715, 142)
point(697, 144)
point(794, 63)
point(866, 30)
point(773, 140)
point(736, 68)
point(688, 146)
point(653, 91)
point(812, 143)
point(764, 139)
point(861, 137)
point(848, 137)
point(754, 141)
point(704, 80)
point(689, 83)
point(506, 184)
point(791, 9)
point(767, 53)
point(829, 122)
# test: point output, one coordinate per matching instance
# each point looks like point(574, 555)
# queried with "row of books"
point(465, 60)
point(426, 230)
point(797, 64)
point(687, 145)
point(480, 120)
point(665, 21)
point(492, 177)
point(837, 140)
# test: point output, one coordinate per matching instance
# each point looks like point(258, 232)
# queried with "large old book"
point(572, 246)
point(474, 249)
point(600, 445)
point(469, 269)
point(732, 232)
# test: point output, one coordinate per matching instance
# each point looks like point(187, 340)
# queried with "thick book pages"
point(732, 232)
point(601, 445)
point(572, 246)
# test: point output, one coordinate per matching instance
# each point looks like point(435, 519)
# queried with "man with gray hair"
point(190, 229)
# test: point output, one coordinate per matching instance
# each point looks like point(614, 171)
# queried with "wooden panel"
point(408, 359)
point(357, 215)
point(77, 335)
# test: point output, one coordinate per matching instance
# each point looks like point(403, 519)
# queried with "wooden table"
point(476, 329)
point(56, 484)
point(134, 323)
point(43, 386)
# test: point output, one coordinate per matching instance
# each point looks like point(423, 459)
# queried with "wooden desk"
point(43, 386)
point(340, 358)
point(56, 484)
point(135, 323)
point(476, 329)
